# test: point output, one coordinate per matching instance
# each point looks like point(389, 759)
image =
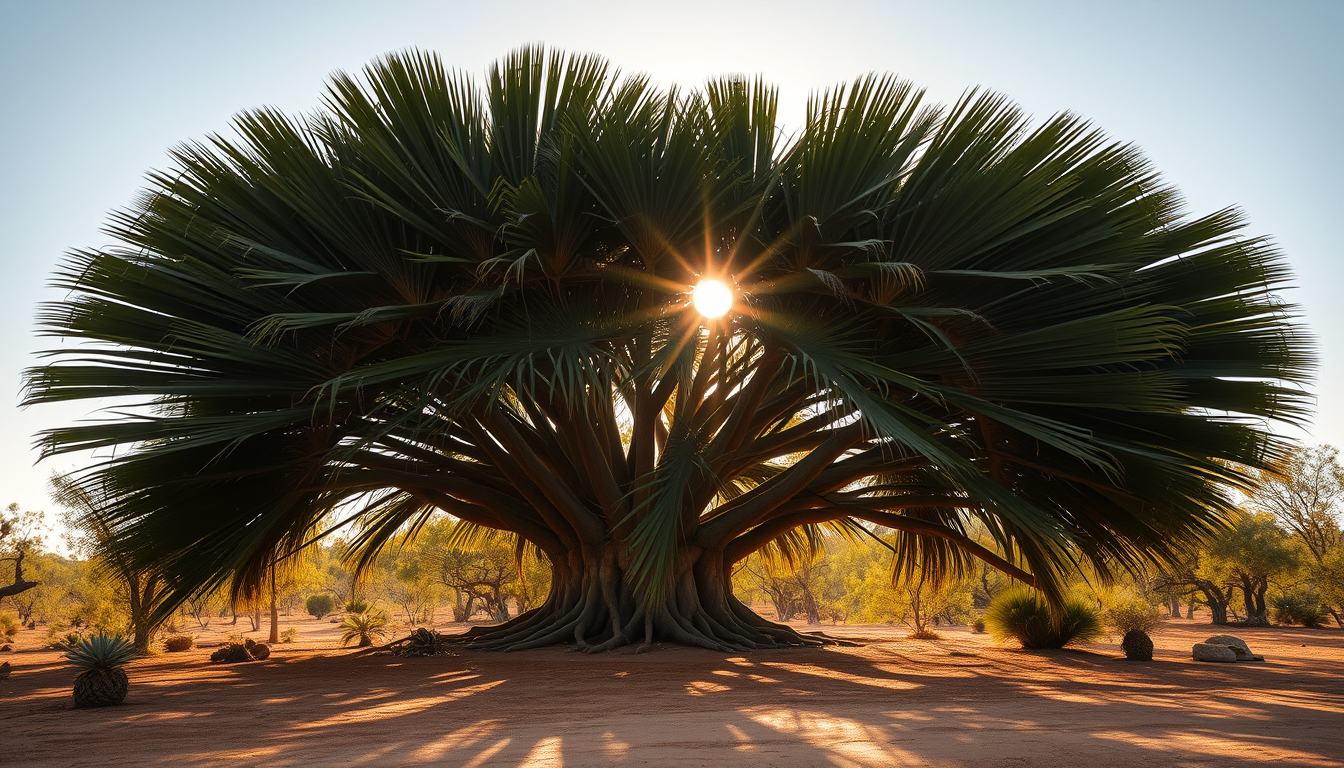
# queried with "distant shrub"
point(9, 626)
point(55, 632)
point(1137, 645)
point(1021, 614)
point(178, 643)
point(1133, 614)
point(978, 625)
point(1303, 607)
point(924, 634)
point(319, 605)
point(289, 635)
point(231, 653)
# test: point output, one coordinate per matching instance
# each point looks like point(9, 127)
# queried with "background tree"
point(204, 605)
point(793, 587)
point(89, 535)
point(1306, 497)
point(1249, 557)
point(935, 599)
point(51, 600)
point(20, 536)
point(410, 585)
point(481, 577)
point(638, 331)
point(1329, 579)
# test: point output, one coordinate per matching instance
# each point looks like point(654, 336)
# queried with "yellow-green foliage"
point(1329, 577)
point(1130, 613)
point(870, 597)
point(9, 626)
point(319, 605)
point(851, 581)
point(1301, 606)
point(289, 635)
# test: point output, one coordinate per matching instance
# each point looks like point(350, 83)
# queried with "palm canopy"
point(1001, 341)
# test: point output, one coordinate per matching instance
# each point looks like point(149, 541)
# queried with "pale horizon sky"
point(1237, 104)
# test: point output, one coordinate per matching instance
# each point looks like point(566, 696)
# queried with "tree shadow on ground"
point(890, 703)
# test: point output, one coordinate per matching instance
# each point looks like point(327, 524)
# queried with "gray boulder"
point(1210, 652)
point(1238, 646)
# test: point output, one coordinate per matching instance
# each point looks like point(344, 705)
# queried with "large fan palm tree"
point(1001, 342)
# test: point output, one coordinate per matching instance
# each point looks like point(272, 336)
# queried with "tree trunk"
point(275, 613)
point(1216, 598)
point(1253, 598)
point(499, 606)
point(810, 609)
point(142, 598)
point(916, 610)
point(592, 605)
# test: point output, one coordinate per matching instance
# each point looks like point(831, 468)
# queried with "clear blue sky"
point(1238, 103)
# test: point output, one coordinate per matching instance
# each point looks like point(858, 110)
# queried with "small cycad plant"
point(364, 626)
point(1022, 614)
point(102, 681)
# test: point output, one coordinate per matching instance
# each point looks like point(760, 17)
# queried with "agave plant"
point(102, 681)
point(366, 627)
point(641, 332)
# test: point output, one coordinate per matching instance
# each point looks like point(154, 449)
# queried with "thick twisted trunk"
point(1216, 598)
point(592, 605)
point(1253, 591)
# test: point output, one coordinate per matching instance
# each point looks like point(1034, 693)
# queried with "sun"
point(712, 298)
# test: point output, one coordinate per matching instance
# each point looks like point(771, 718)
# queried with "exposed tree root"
point(595, 611)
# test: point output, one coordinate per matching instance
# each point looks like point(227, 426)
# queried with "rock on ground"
point(1211, 652)
point(1238, 646)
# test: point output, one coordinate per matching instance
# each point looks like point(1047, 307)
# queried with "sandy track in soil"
point(957, 701)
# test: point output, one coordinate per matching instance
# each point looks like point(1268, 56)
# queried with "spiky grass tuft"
point(1023, 615)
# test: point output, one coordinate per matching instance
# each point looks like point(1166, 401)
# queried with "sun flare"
point(712, 298)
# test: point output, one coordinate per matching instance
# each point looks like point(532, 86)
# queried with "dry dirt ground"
point(961, 700)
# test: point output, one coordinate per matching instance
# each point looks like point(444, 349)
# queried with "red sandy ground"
point(961, 700)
